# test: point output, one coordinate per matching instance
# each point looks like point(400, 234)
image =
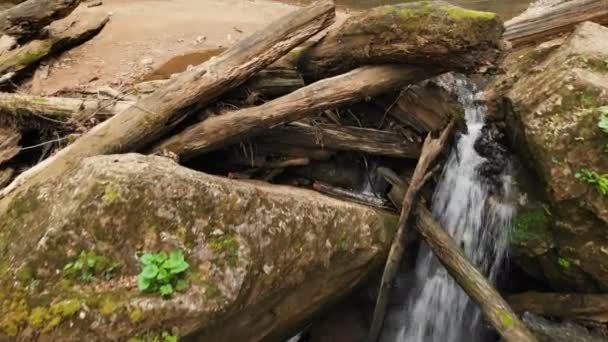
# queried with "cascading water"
point(437, 309)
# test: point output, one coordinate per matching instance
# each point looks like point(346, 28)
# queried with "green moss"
point(586, 62)
point(136, 314)
point(212, 291)
point(530, 224)
point(111, 194)
point(458, 13)
point(38, 317)
point(164, 336)
point(14, 313)
point(564, 263)
point(505, 318)
point(108, 306)
point(24, 274)
point(228, 246)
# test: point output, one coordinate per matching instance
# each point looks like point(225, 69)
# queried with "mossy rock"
point(254, 250)
point(553, 123)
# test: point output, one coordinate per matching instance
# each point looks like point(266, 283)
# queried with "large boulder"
point(557, 91)
point(262, 259)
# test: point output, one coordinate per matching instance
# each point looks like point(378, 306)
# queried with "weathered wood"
point(541, 24)
point(6, 173)
point(9, 143)
point(153, 116)
point(356, 85)
point(494, 308)
point(58, 108)
point(426, 33)
point(29, 17)
point(430, 151)
point(548, 331)
point(352, 196)
point(62, 35)
point(562, 305)
point(342, 138)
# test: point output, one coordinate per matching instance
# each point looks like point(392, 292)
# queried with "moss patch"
point(228, 246)
point(458, 13)
point(530, 224)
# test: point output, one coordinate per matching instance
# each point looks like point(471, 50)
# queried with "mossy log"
point(494, 308)
point(153, 116)
point(540, 25)
point(562, 305)
point(27, 18)
point(425, 33)
point(62, 35)
point(342, 138)
point(218, 131)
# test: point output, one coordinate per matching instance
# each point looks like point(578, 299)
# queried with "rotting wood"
point(29, 17)
point(9, 143)
point(358, 84)
point(65, 34)
point(562, 305)
point(342, 138)
point(458, 39)
point(494, 308)
point(431, 149)
point(155, 115)
point(540, 25)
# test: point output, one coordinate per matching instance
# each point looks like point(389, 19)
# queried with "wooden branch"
point(401, 34)
point(65, 34)
point(152, 116)
point(352, 196)
point(29, 17)
point(342, 138)
point(58, 108)
point(494, 308)
point(563, 305)
point(430, 151)
point(9, 143)
point(538, 26)
point(356, 85)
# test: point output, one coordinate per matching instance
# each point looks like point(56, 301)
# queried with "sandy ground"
point(142, 34)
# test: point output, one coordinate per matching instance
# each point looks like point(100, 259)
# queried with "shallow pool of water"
point(507, 9)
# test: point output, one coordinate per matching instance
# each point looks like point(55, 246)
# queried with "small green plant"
point(563, 262)
point(90, 265)
point(163, 337)
point(163, 273)
point(600, 182)
point(603, 123)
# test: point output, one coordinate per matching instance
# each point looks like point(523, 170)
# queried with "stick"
point(493, 306)
point(152, 116)
point(430, 151)
point(356, 85)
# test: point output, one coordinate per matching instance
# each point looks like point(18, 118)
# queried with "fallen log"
point(425, 33)
point(153, 116)
point(548, 331)
point(27, 18)
point(62, 35)
point(562, 305)
point(540, 24)
point(430, 151)
point(495, 309)
point(342, 138)
point(229, 128)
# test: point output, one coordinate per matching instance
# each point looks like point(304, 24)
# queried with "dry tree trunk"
point(356, 85)
point(493, 306)
point(65, 34)
point(563, 305)
point(430, 151)
point(538, 26)
point(29, 17)
point(153, 116)
point(342, 138)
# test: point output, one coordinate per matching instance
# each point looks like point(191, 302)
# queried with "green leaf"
point(163, 275)
point(181, 285)
point(166, 290)
point(160, 257)
point(150, 271)
point(143, 283)
point(68, 266)
point(603, 124)
point(147, 259)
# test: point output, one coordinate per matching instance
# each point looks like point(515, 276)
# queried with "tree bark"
point(538, 26)
point(29, 17)
point(152, 116)
point(493, 306)
point(9, 143)
point(563, 305)
point(67, 33)
point(457, 39)
point(342, 138)
point(430, 151)
point(356, 85)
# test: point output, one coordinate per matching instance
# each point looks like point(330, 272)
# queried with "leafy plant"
point(600, 182)
point(563, 262)
point(90, 265)
point(163, 337)
point(603, 123)
point(163, 273)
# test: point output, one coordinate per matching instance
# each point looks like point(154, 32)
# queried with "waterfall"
point(436, 308)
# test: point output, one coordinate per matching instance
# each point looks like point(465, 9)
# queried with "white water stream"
point(437, 309)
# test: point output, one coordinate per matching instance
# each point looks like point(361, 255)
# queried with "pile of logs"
point(277, 106)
